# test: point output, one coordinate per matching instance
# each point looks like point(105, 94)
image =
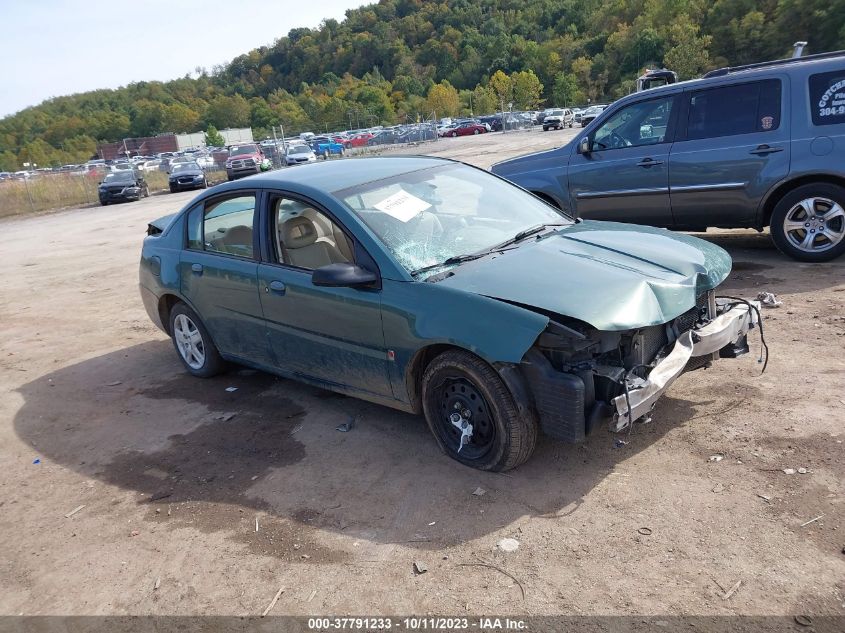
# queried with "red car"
point(466, 129)
point(359, 140)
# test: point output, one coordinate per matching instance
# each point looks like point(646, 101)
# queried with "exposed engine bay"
point(582, 377)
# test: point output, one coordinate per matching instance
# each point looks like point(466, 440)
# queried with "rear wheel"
point(808, 224)
point(193, 343)
point(475, 132)
point(472, 414)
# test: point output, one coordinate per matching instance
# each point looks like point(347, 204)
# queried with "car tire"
point(476, 132)
point(545, 129)
point(193, 343)
point(502, 438)
point(172, 189)
point(104, 203)
point(818, 208)
point(454, 134)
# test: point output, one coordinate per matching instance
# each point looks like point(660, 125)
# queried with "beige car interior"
point(307, 238)
point(237, 240)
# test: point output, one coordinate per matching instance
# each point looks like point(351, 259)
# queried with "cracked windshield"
point(429, 216)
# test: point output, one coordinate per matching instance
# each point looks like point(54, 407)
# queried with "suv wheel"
point(808, 223)
point(472, 414)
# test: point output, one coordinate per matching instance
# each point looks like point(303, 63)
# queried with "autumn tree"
point(484, 100)
point(502, 87)
point(443, 99)
point(179, 118)
point(526, 89)
point(224, 112)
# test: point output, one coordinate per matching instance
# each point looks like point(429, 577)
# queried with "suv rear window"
point(736, 109)
point(827, 97)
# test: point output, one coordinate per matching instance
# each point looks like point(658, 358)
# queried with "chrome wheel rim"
point(815, 225)
point(189, 341)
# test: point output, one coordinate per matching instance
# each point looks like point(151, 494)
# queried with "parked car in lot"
point(494, 121)
point(558, 119)
point(245, 160)
point(466, 128)
point(187, 176)
point(753, 147)
point(384, 137)
point(413, 282)
point(122, 185)
point(328, 148)
point(418, 133)
point(359, 140)
point(298, 154)
point(588, 115)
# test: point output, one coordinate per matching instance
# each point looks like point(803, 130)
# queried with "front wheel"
point(808, 224)
point(193, 343)
point(472, 414)
point(476, 132)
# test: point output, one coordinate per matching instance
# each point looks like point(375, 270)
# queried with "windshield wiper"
point(460, 259)
point(455, 259)
point(533, 230)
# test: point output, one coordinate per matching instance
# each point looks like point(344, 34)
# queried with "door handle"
point(763, 150)
point(277, 286)
point(649, 162)
point(196, 269)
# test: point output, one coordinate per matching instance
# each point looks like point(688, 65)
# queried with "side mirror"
point(342, 275)
point(584, 145)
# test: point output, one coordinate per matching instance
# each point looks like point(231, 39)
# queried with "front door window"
point(641, 123)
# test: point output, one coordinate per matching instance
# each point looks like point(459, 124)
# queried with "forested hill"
point(398, 59)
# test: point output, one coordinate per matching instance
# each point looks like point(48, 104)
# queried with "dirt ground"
point(198, 500)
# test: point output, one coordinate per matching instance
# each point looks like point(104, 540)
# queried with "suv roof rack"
point(719, 72)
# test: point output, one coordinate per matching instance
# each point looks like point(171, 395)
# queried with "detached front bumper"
point(729, 327)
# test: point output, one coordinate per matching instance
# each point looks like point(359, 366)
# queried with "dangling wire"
point(764, 346)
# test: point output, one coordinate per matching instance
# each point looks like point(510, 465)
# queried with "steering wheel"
point(617, 141)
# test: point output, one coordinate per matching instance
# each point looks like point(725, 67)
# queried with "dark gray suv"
point(752, 146)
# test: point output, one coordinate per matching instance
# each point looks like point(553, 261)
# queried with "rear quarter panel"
point(158, 273)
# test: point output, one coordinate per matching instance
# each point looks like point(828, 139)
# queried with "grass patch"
point(60, 191)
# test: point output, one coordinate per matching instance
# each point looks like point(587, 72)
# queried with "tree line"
point(401, 60)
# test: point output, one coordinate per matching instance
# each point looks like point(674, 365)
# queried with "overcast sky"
point(51, 48)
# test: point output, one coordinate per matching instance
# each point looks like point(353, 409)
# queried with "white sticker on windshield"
point(402, 205)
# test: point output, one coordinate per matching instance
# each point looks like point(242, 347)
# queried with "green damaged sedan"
point(434, 287)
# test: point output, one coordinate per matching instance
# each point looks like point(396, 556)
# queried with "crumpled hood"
point(613, 276)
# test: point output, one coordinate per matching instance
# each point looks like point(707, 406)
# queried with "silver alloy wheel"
point(189, 341)
point(815, 225)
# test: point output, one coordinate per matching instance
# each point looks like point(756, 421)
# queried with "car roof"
point(337, 174)
point(725, 75)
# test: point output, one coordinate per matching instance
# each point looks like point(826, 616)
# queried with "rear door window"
point(223, 226)
point(827, 97)
point(735, 109)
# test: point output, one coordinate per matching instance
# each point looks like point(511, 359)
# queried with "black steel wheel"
point(473, 415)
